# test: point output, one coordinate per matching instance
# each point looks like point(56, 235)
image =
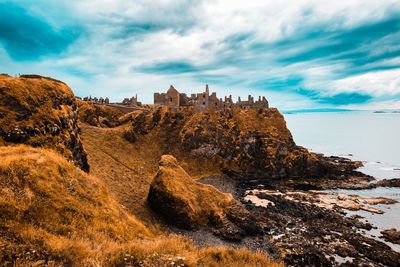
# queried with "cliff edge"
point(40, 112)
point(253, 144)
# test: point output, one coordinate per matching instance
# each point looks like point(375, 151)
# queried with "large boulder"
point(182, 201)
point(40, 112)
point(185, 203)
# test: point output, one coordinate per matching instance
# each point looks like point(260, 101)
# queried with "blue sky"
point(299, 54)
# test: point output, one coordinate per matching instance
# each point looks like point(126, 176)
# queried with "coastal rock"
point(252, 144)
point(395, 182)
point(327, 200)
point(316, 233)
point(391, 235)
point(389, 183)
point(40, 112)
point(184, 202)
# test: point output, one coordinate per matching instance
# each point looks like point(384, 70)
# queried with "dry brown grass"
point(182, 200)
point(98, 114)
point(53, 213)
point(48, 204)
point(40, 112)
point(33, 97)
point(128, 169)
point(269, 121)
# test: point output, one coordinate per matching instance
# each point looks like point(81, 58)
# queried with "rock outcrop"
point(99, 115)
point(254, 144)
point(40, 112)
point(185, 203)
point(182, 201)
point(391, 235)
point(54, 214)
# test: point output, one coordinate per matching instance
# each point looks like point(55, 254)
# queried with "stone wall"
point(203, 101)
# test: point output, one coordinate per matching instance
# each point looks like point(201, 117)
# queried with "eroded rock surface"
point(100, 115)
point(185, 203)
point(328, 200)
point(40, 112)
point(310, 229)
point(254, 145)
point(316, 235)
point(391, 235)
point(182, 201)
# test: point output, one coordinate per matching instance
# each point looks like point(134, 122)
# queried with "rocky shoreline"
point(304, 226)
point(233, 178)
point(311, 227)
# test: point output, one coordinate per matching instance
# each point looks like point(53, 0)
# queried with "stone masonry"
point(202, 101)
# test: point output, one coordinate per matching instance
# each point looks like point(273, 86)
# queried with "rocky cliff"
point(54, 214)
point(99, 115)
point(186, 203)
point(40, 112)
point(252, 144)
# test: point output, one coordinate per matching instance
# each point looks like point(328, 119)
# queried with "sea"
point(371, 137)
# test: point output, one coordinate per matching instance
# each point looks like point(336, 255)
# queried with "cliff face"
point(40, 112)
point(251, 143)
point(54, 214)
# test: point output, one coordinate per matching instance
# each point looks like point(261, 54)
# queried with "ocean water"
point(373, 138)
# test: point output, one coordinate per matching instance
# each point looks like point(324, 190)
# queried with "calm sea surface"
point(373, 138)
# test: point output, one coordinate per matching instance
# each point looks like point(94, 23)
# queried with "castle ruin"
point(100, 100)
point(132, 102)
point(202, 101)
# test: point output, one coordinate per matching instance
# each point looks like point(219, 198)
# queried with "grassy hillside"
point(41, 112)
point(53, 213)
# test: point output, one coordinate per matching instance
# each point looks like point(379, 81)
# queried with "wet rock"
point(328, 200)
point(389, 183)
point(307, 259)
point(315, 236)
point(391, 235)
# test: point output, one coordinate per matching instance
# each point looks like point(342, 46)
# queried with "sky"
point(303, 54)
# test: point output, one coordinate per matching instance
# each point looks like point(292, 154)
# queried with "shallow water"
point(373, 138)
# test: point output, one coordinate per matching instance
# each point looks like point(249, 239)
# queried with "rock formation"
point(181, 200)
point(41, 112)
point(99, 115)
point(254, 143)
point(188, 204)
point(54, 214)
point(391, 235)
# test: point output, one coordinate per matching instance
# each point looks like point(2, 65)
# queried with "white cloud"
point(373, 83)
point(196, 32)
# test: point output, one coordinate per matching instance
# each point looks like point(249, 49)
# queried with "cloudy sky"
point(299, 54)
